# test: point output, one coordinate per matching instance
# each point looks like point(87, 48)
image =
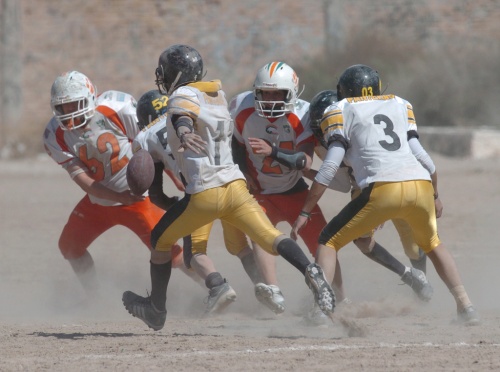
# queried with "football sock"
point(421, 262)
point(160, 276)
point(290, 251)
point(187, 252)
point(460, 296)
point(251, 268)
point(213, 280)
point(381, 256)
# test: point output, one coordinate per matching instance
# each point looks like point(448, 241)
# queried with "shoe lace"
point(146, 299)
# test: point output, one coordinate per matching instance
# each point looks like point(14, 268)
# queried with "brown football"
point(140, 172)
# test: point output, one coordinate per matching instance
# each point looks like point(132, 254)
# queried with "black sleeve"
point(340, 139)
point(239, 154)
point(412, 134)
point(156, 194)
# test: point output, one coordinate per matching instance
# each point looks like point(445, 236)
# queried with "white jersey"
point(343, 180)
point(103, 145)
point(206, 104)
point(374, 131)
point(153, 139)
point(287, 132)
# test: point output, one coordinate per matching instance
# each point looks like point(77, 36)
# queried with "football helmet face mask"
point(358, 81)
point(73, 100)
point(317, 107)
point(271, 77)
point(151, 105)
point(178, 65)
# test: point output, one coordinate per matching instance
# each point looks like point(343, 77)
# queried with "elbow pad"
point(289, 158)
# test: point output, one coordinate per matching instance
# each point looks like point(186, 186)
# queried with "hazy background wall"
point(442, 55)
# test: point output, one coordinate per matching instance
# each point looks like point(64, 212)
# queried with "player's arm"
point(325, 175)
point(80, 174)
point(183, 109)
point(156, 194)
point(426, 161)
point(293, 159)
point(341, 182)
point(239, 152)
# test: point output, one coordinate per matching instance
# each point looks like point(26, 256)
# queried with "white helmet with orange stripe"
point(73, 100)
point(275, 76)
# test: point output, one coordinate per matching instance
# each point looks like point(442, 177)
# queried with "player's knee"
point(364, 244)
point(244, 252)
point(412, 251)
point(160, 257)
point(70, 249)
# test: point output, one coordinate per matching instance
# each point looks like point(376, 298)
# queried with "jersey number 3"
point(388, 131)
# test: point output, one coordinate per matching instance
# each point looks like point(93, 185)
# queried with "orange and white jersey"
point(103, 146)
point(206, 104)
point(374, 131)
point(153, 139)
point(287, 132)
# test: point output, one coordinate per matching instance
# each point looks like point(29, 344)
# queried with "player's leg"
point(255, 262)
point(447, 270)
point(267, 290)
point(267, 293)
point(236, 243)
point(413, 277)
point(422, 219)
point(359, 215)
point(417, 257)
point(243, 211)
point(190, 213)
point(247, 215)
point(310, 233)
point(86, 222)
point(141, 218)
point(220, 293)
point(266, 261)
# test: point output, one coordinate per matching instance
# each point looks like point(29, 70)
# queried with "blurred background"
point(441, 55)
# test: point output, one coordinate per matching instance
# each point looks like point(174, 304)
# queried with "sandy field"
point(48, 323)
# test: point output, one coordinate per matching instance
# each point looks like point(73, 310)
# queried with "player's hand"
point(193, 142)
point(127, 198)
point(260, 147)
point(299, 223)
point(439, 207)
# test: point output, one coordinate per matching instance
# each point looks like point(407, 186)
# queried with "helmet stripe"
point(273, 66)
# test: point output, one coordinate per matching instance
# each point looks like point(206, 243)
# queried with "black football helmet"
point(316, 109)
point(358, 81)
point(178, 65)
point(151, 105)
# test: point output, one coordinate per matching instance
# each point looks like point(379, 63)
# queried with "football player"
point(273, 144)
point(90, 137)
point(372, 133)
point(414, 277)
point(153, 138)
point(199, 129)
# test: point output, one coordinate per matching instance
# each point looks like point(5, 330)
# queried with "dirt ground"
point(47, 323)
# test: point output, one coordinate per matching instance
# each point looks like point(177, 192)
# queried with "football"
point(140, 172)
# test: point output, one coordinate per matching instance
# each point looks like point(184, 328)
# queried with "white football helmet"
point(73, 86)
point(276, 76)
